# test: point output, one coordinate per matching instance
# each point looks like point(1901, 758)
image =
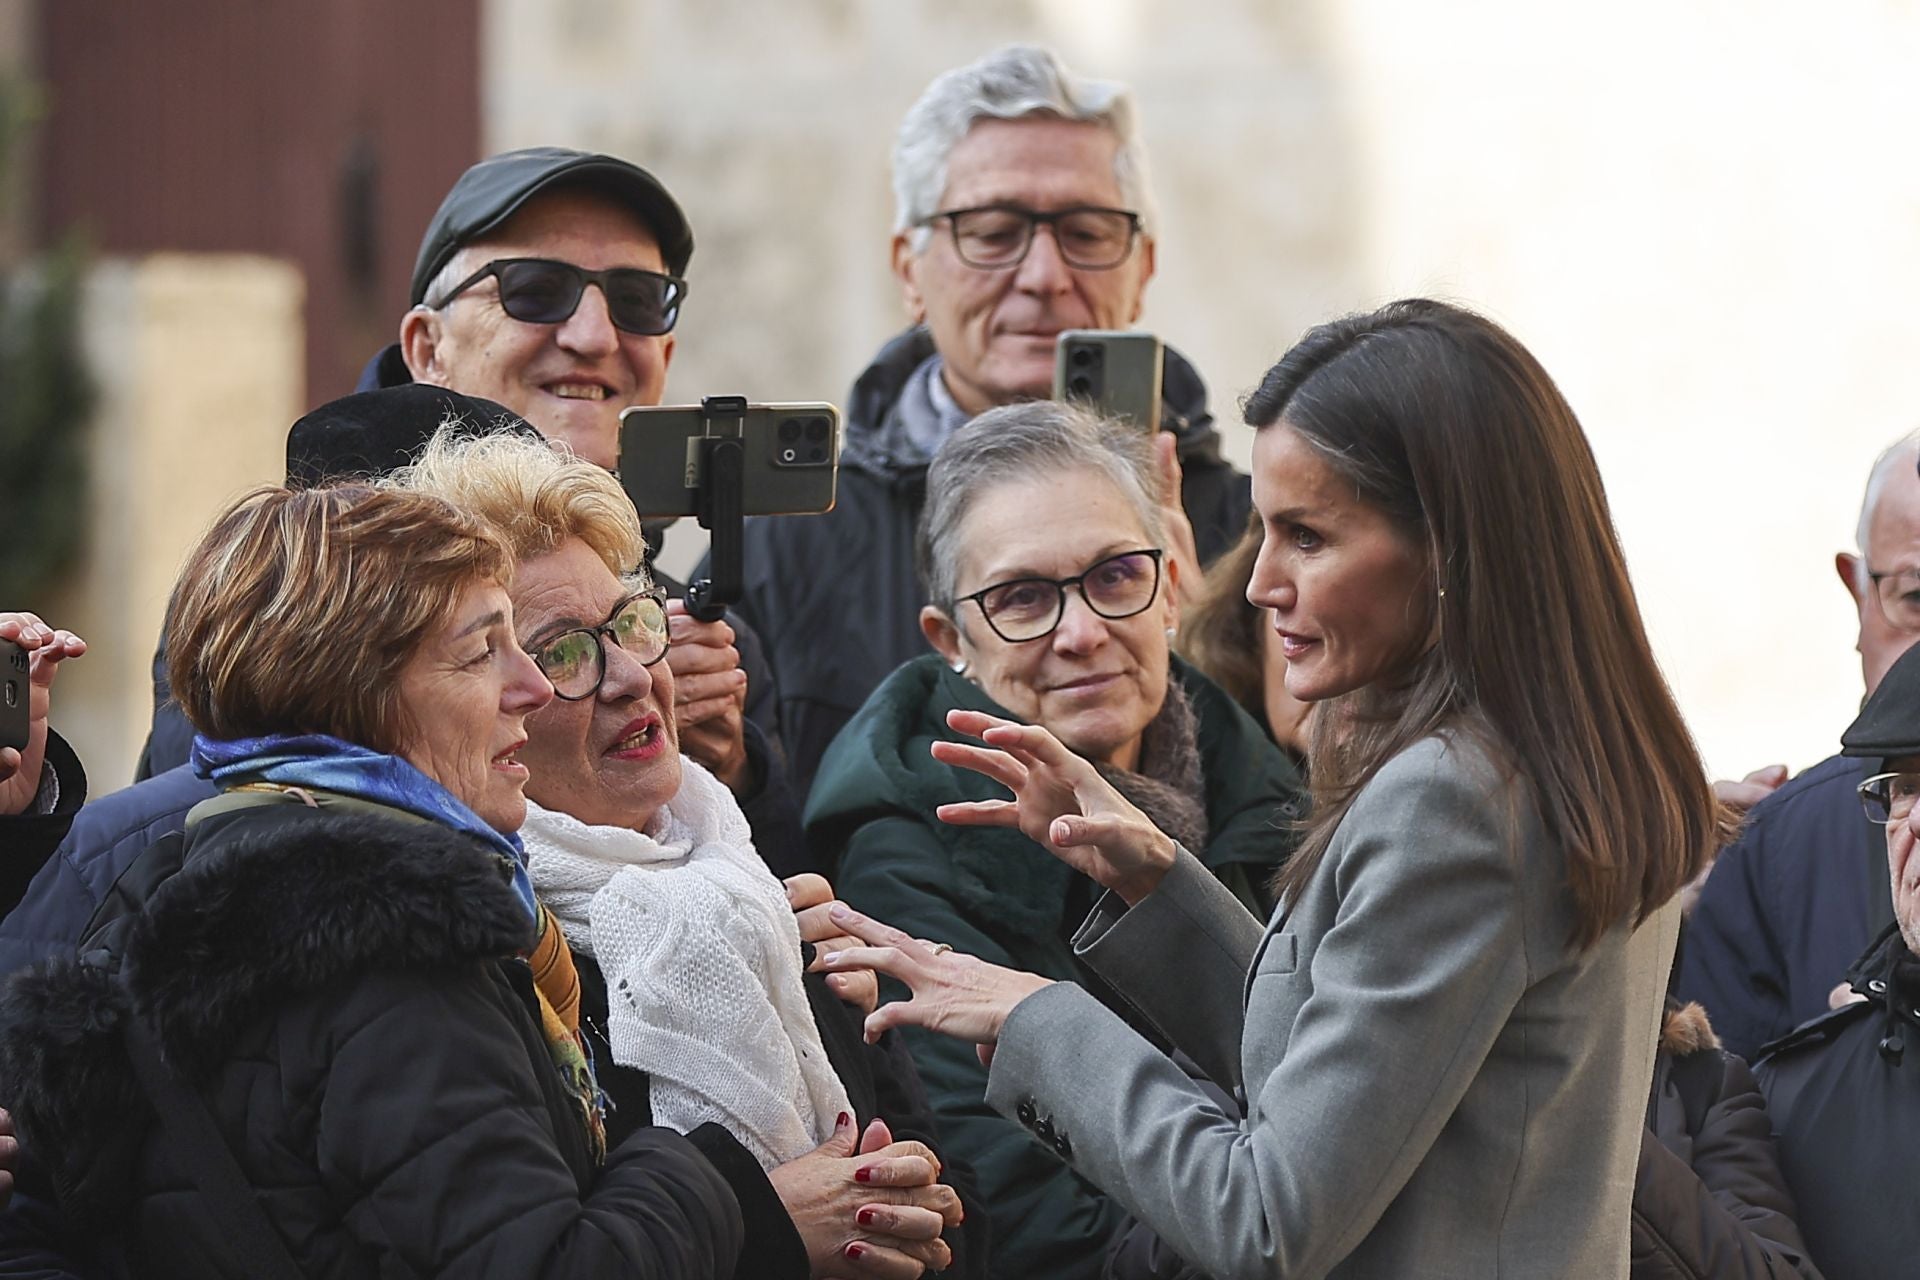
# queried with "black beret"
point(493, 191)
point(1889, 725)
point(375, 432)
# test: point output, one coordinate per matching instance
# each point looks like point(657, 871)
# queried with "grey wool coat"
point(1437, 1083)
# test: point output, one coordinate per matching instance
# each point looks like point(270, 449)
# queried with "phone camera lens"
point(789, 430)
point(817, 454)
point(789, 455)
point(1085, 357)
point(817, 429)
point(1081, 386)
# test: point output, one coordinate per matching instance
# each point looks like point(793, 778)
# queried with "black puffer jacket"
point(344, 991)
point(1709, 1200)
point(836, 599)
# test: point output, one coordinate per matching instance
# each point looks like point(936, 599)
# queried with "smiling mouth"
point(641, 736)
point(508, 759)
point(579, 391)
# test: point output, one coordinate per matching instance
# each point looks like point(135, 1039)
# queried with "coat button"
point(1025, 1112)
point(1064, 1147)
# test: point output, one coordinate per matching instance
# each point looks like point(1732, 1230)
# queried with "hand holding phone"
point(30, 655)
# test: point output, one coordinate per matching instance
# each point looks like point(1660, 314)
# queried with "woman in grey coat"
point(1444, 1037)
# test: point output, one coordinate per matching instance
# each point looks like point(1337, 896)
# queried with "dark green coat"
point(995, 894)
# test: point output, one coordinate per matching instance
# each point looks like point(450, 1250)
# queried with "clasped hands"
point(1060, 802)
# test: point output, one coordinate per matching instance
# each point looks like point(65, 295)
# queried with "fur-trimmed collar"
point(270, 903)
point(1685, 1030)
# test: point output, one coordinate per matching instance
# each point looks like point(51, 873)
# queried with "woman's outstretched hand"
point(1059, 801)
point(953, 993)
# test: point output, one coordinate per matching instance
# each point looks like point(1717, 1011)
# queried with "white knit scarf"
point(702, 961)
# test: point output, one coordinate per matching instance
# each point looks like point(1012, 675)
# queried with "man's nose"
point(590, 329)
point(1043, 270)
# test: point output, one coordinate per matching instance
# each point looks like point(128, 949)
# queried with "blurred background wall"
point(1704, 217)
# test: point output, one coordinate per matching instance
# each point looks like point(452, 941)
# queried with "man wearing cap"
point(549, 281)
point(1844, 1090)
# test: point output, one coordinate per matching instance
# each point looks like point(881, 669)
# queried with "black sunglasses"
point(543, 291)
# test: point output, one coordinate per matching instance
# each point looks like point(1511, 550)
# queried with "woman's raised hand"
point(1059, 801)
point(811, 898)
point(869, 1206)
point(46, 649)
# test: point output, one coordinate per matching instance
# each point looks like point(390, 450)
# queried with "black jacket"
point(345, 993)
point(1788, 908)
point(836, 597)
point(1844, 1092)
point(1709, 1200)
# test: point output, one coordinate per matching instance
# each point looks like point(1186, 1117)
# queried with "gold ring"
point(941, 948)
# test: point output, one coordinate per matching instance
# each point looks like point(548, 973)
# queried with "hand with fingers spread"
point(1060, 802)
point(812, 900)
point(871, 1207)
point(46, 649)
point(953, 993)
point(709, 695)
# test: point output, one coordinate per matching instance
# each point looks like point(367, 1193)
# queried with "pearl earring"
point(959, 666)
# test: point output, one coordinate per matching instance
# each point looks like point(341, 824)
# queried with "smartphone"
point(790, 462)
point(1114, 372)
point(14, 691)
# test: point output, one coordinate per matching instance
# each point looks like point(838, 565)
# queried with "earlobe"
point(905, 265)
point(942, 634)
point(1848, 566)
point(1146, 276)
point(420, 345)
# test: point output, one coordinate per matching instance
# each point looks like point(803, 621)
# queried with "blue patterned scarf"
point(316, 761)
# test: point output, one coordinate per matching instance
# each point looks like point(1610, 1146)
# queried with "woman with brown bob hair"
point(1445, 1034)
point(331, 1032)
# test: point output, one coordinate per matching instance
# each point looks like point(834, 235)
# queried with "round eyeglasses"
point(1022, 609)
point(545, 291)
point(575, 661)
point(994, 237)
point(1889, 797)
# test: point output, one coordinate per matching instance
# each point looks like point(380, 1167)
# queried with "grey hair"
point(1021, 442)
point(1905, 450)
point(458, 268)
point(1012, 83)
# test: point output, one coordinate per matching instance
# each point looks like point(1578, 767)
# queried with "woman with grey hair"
point(1062, 621)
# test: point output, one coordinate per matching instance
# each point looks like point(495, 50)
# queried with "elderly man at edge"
point(1014, 135)
point(510, 301)
point(1794, 900)
point(1844, 1090)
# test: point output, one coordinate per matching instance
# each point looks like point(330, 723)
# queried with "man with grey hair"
point(1791, 903)
point(1022, 210)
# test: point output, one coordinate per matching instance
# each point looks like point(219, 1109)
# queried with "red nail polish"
point(842, 1120)
point(863, 1174)
point(865, 1217)
point(854, 1251)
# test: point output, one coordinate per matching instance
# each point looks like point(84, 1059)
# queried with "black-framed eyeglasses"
point(575, 661)
point(545, 291)
point(1022, 609)
point(1889, 797)
point(996, 236)
point(1899, 595)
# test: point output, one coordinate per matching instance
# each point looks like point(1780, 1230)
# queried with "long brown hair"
point(1447, 425)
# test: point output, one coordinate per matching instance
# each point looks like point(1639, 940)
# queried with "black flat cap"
point(376, 432)
point(1889, 725)
point(493, 191)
